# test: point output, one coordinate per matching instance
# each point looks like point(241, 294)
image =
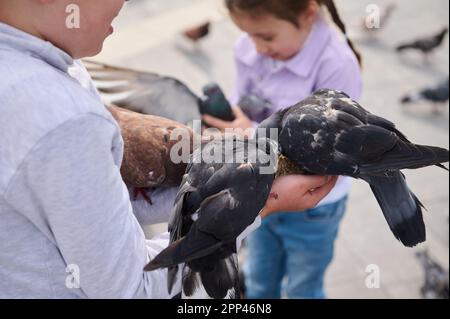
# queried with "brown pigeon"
point(197, 33)
point(147, 139)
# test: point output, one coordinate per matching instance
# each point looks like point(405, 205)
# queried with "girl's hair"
point(289, 10)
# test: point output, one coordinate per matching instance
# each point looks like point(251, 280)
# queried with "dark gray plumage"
point(436, 278)
point(330, 134)
point(425, 45)
point(215, 204)
point(255, 107)
point(436, 94)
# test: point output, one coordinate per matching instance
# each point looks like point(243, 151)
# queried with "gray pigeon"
point(153, 94)
point(438, 95)
point(145, 92)
point(255, 107)
point(425, 45)
point(216, 203)
point(330, 134)
point(436, 278)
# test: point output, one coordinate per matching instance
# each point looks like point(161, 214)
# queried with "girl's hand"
point(241, 122)
point(296, 193)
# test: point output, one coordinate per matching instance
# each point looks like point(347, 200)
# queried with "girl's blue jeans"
point(290, 253)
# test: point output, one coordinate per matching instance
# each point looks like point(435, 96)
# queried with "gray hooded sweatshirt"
point(67, 226)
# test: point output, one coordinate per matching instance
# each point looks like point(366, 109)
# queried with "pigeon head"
point(211, 89)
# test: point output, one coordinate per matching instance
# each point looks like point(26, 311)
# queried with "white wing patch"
point(233, 201)
point(350, 102)
point(246, 166)
point(331, 113)
point(317, 136)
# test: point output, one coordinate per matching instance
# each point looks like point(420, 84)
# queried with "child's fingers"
point(238, 112)
point(215, 122)
point(313, 182)
point(321, 192)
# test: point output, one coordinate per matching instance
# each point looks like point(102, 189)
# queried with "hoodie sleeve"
point(70, 188)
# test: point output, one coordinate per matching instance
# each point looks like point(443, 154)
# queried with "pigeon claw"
point(144, 193)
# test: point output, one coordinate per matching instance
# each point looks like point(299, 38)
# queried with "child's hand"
point(241, 122)
point(296, 193)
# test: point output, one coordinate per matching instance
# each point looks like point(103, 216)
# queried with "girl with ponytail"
point(287, 52)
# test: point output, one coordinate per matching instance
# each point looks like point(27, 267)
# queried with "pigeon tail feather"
point(401, 208)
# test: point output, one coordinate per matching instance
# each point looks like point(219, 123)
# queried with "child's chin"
point(97, 50)
point(284, 58)
point(90, 53)
point(278, 57)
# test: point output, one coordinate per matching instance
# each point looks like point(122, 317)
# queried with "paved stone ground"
point(147, 38)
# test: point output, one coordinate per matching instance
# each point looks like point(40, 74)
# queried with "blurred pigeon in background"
point(147, 144)
point(425, 45)
point(438, 95)
point(255, 107)
point(218, 105)
point(197, 32)
point(436, 278)
point(330, 134)
point(216, 204)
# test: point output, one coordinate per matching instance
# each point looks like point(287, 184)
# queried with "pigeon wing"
point(145, 92)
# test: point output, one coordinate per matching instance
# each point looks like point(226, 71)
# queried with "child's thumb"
point(314, 182)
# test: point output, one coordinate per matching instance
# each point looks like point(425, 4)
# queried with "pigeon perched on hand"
point(147, 147)
point(218, 200)
point(425, 45)
point(438, 95)
point(145, 92)
point(330, 134)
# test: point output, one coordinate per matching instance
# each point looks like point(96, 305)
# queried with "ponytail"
point(338, 21)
